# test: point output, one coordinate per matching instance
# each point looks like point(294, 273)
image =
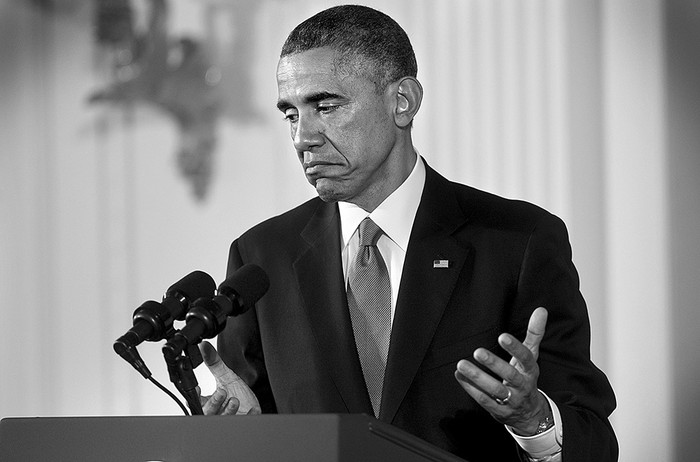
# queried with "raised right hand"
point(232, 394)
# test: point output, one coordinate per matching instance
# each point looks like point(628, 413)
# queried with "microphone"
point(207, 316)
point(153, 321)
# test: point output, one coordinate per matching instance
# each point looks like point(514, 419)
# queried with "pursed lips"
point(316, 166)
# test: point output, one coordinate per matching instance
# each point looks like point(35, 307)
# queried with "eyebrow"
point(283, 105)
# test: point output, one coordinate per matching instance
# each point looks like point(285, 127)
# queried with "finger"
point(523, 359)
point(218, 368)
point(506, 371)
point(485, 399)
point(209, 353)
point(231, 406)
point(535, 330)
point(472, 377)
point(211, 405)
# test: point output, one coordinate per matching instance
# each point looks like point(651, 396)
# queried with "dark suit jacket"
point(506, 258)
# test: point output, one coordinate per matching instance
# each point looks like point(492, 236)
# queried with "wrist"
point(542, 421)
point(546, 446)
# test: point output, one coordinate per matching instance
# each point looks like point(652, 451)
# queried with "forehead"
point(313, 71)
point(314, 61)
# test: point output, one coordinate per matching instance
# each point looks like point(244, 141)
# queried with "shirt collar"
point(394, 215)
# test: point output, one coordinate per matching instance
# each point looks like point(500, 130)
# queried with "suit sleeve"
point(240, 347)
point(581, 391)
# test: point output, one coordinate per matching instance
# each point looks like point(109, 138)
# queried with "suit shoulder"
point(289, 222)
point(492, 209)
point(481, 206)
point(278, 241)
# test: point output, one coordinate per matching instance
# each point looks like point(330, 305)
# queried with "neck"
point(383, 189)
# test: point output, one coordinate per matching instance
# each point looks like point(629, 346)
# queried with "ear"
point(409, 94)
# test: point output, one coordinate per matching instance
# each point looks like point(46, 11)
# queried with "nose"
point(307, 133)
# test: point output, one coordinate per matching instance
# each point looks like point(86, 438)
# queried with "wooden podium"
point(261, 438)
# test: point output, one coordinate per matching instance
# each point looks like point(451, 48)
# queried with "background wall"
point(589, 108)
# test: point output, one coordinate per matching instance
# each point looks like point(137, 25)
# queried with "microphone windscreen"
point(193, 286)
point(249, 283)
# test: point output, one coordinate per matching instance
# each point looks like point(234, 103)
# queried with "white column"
point(637, 228)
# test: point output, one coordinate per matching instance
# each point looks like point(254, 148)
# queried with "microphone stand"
point(181, 371)
point(205, 319)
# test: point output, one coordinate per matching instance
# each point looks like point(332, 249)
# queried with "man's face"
point(343, 130)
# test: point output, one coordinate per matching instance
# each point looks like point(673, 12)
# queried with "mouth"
point(315, 167)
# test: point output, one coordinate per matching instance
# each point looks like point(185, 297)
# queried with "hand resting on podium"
point(232, 394)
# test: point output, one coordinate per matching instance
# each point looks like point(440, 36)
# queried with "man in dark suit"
point(469, 273)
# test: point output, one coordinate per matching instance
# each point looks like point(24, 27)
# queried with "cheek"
point(361, 133)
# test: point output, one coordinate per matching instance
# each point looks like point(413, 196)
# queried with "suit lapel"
point(425, 289)
point(320, 276)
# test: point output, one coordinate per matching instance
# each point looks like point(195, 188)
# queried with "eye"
point(327, 108)
point(291, 115)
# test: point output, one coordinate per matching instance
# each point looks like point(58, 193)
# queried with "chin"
point(327, 194)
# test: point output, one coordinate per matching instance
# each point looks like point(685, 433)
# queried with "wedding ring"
point(503, 401)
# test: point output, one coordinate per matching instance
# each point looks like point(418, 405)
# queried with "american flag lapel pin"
point(440, 263)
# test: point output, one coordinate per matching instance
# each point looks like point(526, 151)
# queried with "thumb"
point(229, 381)
point(535, 330)
point(213, 361)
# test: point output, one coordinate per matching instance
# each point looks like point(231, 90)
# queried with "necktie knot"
point(369, 232)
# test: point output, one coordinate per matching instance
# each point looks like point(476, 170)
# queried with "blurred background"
point(138, 138)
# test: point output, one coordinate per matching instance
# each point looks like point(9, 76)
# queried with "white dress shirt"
point(395, 216)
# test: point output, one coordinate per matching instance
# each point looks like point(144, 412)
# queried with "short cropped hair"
point(355, 31)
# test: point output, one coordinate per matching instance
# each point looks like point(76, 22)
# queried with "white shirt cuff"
point(547, 443)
